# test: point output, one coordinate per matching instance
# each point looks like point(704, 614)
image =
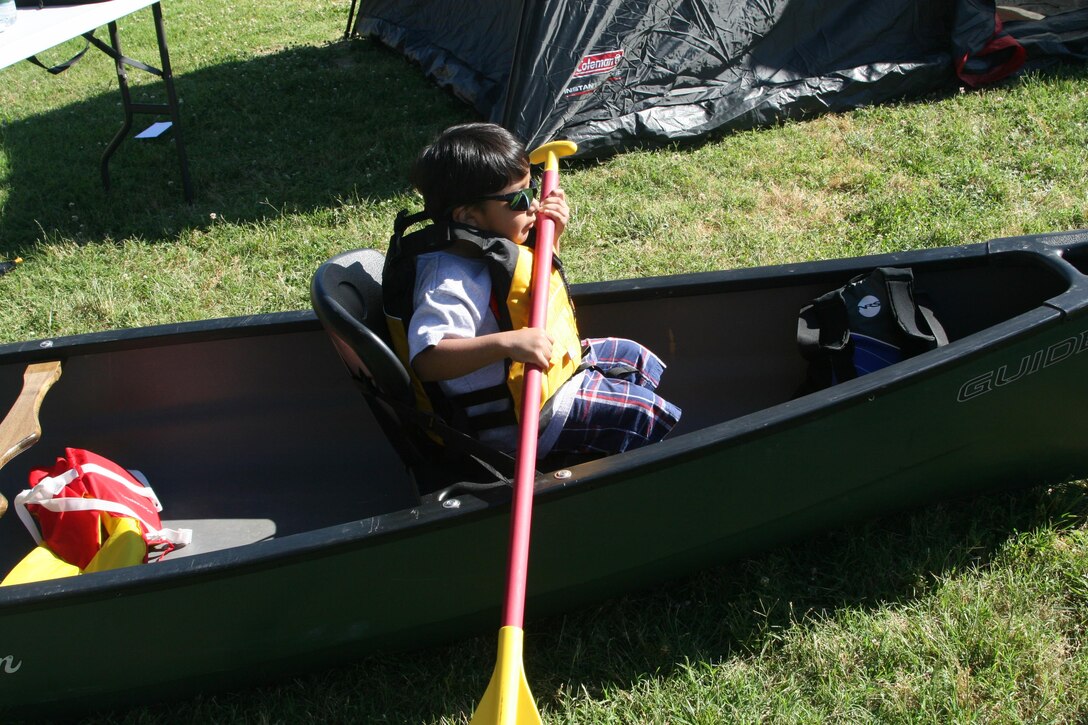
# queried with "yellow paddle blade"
point(549, 153)
point(507, 700)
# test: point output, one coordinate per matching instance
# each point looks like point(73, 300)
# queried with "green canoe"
point(314, 543)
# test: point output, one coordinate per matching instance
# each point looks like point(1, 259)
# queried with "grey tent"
point(609, 74)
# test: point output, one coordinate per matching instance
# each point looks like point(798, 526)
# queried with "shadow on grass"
point(739, 609)
point(293, 131)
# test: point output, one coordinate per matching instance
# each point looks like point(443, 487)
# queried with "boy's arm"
point(454, 357)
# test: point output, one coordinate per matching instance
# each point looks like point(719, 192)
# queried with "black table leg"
point(170, 108)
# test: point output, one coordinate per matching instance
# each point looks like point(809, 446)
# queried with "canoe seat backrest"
point(346, 293)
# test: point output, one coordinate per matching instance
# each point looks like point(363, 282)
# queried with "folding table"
point(38, 29)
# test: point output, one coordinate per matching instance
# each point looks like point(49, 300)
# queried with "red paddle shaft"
point(525, 469)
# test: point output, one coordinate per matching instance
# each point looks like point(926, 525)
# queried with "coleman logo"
point(597, 63)
point(1027, 365)
point(9, 666)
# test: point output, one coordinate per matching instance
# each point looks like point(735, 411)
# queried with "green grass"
point(970, 611)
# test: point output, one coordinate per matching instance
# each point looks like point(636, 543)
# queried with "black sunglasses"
point(519, 200)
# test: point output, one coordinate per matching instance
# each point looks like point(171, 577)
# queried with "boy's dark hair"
point(466, 162)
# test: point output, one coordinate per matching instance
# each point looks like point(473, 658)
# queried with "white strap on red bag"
point(127, 497)
point(43, 495)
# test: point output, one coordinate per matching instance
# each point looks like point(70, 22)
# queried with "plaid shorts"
point(615, 408)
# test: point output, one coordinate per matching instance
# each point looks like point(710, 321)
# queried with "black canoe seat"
point(346, 293)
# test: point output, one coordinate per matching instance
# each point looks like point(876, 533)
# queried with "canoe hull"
point(1003, 407)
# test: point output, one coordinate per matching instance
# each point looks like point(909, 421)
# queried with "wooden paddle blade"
point(507, 700)
point(21, 429)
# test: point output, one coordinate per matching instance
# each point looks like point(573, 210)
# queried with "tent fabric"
point(612, 74)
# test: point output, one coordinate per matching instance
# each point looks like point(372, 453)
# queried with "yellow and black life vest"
point(510, 267)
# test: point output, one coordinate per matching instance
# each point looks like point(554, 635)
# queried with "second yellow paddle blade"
point(507, 700)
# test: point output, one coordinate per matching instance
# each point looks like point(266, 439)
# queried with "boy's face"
point(496, 216)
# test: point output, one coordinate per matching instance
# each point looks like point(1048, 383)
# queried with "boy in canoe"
point(456, 298)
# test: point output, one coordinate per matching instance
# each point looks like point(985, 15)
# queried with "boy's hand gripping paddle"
point(507, 699)
point(21, 429)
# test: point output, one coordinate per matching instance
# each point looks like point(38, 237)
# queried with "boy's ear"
point(466, 214)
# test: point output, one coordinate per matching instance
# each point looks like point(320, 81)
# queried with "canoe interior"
point(254, 436)
point(253, 432)
point(734, 351)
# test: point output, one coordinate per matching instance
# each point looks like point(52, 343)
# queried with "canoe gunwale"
point(178, 333)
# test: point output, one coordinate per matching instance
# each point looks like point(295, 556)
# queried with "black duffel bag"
point(869, 323)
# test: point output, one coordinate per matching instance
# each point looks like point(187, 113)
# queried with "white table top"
point(37, 29)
